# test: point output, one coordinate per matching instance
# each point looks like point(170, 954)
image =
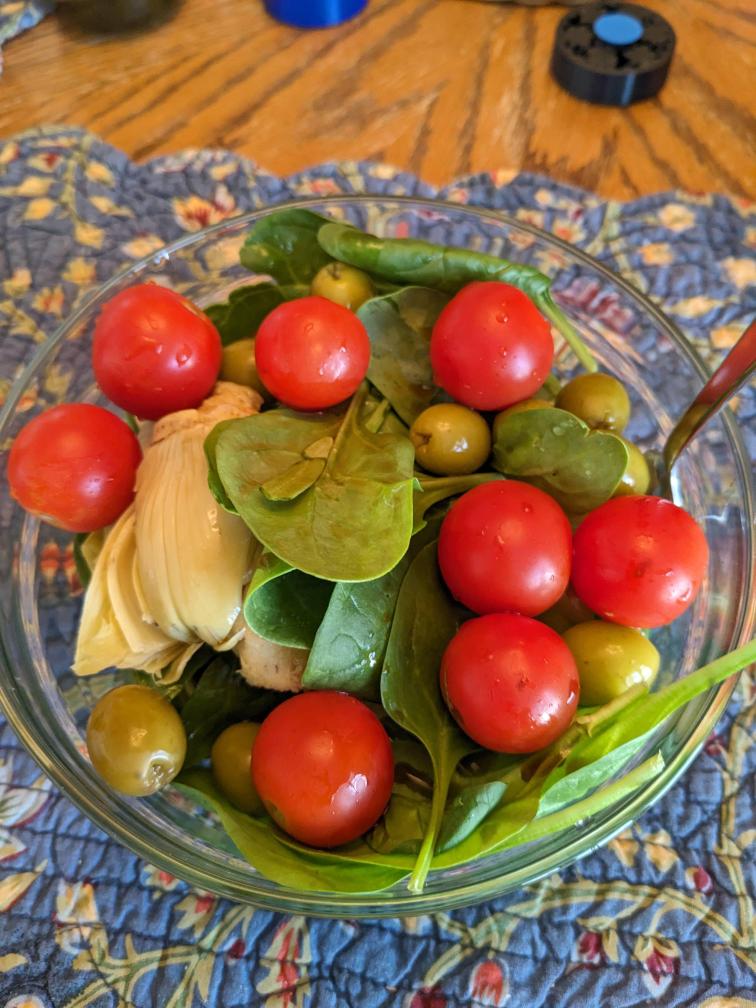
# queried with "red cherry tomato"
point(490, 346)
point(311, 353)
point(74, 465)
point(154, 352)
point(639, 561)
point(510, 682)
point(506, 546)
point(323, 766)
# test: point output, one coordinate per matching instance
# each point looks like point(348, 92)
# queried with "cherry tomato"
point(311, 353)
point(154, 352)
point(639, 561)
point(510, 682)
point(323, 766)
point(506, 547)
point(490, 346)
point(74, 465)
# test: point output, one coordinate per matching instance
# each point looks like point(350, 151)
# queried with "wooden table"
point(439, 87)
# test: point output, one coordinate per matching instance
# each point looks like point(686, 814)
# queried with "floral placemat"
point(661, 916)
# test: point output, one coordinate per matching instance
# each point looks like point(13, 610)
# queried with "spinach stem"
point(428, 846)
point(572, 337)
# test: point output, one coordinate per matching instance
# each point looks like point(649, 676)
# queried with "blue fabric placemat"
point(661, 916)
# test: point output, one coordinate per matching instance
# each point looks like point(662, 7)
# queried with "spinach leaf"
point(571, 785)
point(402, 827)
point(284, 245)
point(355, 521)
point(240, 317)
point(399, 326)
point(467, 810)
point(556, 822)
point(281, 859)
point(288, 609)
point(83, 569)
point(213, 479)
point(220, 698)
point(412, 261)
point(350, 643)
point(424, 623)
point(556, 451)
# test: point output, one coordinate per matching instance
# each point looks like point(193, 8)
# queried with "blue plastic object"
point(618, 29)
point(314, 13)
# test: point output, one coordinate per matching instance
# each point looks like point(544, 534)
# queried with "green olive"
point(450, 440)
point(343, 284)
point(520, 407)
point(231, 760)
point(239, 366)
point(136, 740)
point(566, 612)
point(598, 400)
point(610, 659)
point(636, 479)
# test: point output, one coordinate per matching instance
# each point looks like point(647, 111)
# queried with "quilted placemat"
point(661, 916)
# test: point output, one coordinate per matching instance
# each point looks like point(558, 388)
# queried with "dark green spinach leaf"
point(240, 317)
point(350, 643)
point(554, 450)
point(281, 859)
point(355, 521)
point(288, 609)
point(466, 811)
point(424, 623)
point(284, 245)
point(399, 326)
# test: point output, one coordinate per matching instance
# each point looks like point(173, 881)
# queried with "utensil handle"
point(732, 374)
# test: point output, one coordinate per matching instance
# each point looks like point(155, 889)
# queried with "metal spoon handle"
point(732, 374)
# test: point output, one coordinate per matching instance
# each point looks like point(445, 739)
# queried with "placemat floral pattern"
point(661, 916)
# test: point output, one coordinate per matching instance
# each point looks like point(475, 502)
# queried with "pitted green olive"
point(343, 284)
point(636, 479)
point(450, 440)
point(238, 365)
point(136, 740)
point(231, 761)
point(597, 399)
point(610, 659)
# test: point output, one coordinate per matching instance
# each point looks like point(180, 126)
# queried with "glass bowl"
point(48, 706)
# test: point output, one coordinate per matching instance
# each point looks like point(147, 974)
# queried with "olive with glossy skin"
point(136, 740)
point(450, 440)
point(345, 285)
point(597, 399)
point(636, 479)
point(231, 761)
point(610, 659)
point(239, 366)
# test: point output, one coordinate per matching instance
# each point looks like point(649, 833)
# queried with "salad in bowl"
point(384, 576)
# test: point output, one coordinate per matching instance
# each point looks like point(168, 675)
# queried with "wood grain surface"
point(439, 87)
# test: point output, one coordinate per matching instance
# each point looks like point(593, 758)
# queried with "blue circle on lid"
point(618, 29)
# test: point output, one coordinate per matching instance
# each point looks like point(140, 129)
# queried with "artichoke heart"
point(170, 572)
point(192, 556)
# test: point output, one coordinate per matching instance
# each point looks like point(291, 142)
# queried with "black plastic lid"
point(612, 53)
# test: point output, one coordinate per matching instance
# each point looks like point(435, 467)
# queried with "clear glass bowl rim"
point(192, 866)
